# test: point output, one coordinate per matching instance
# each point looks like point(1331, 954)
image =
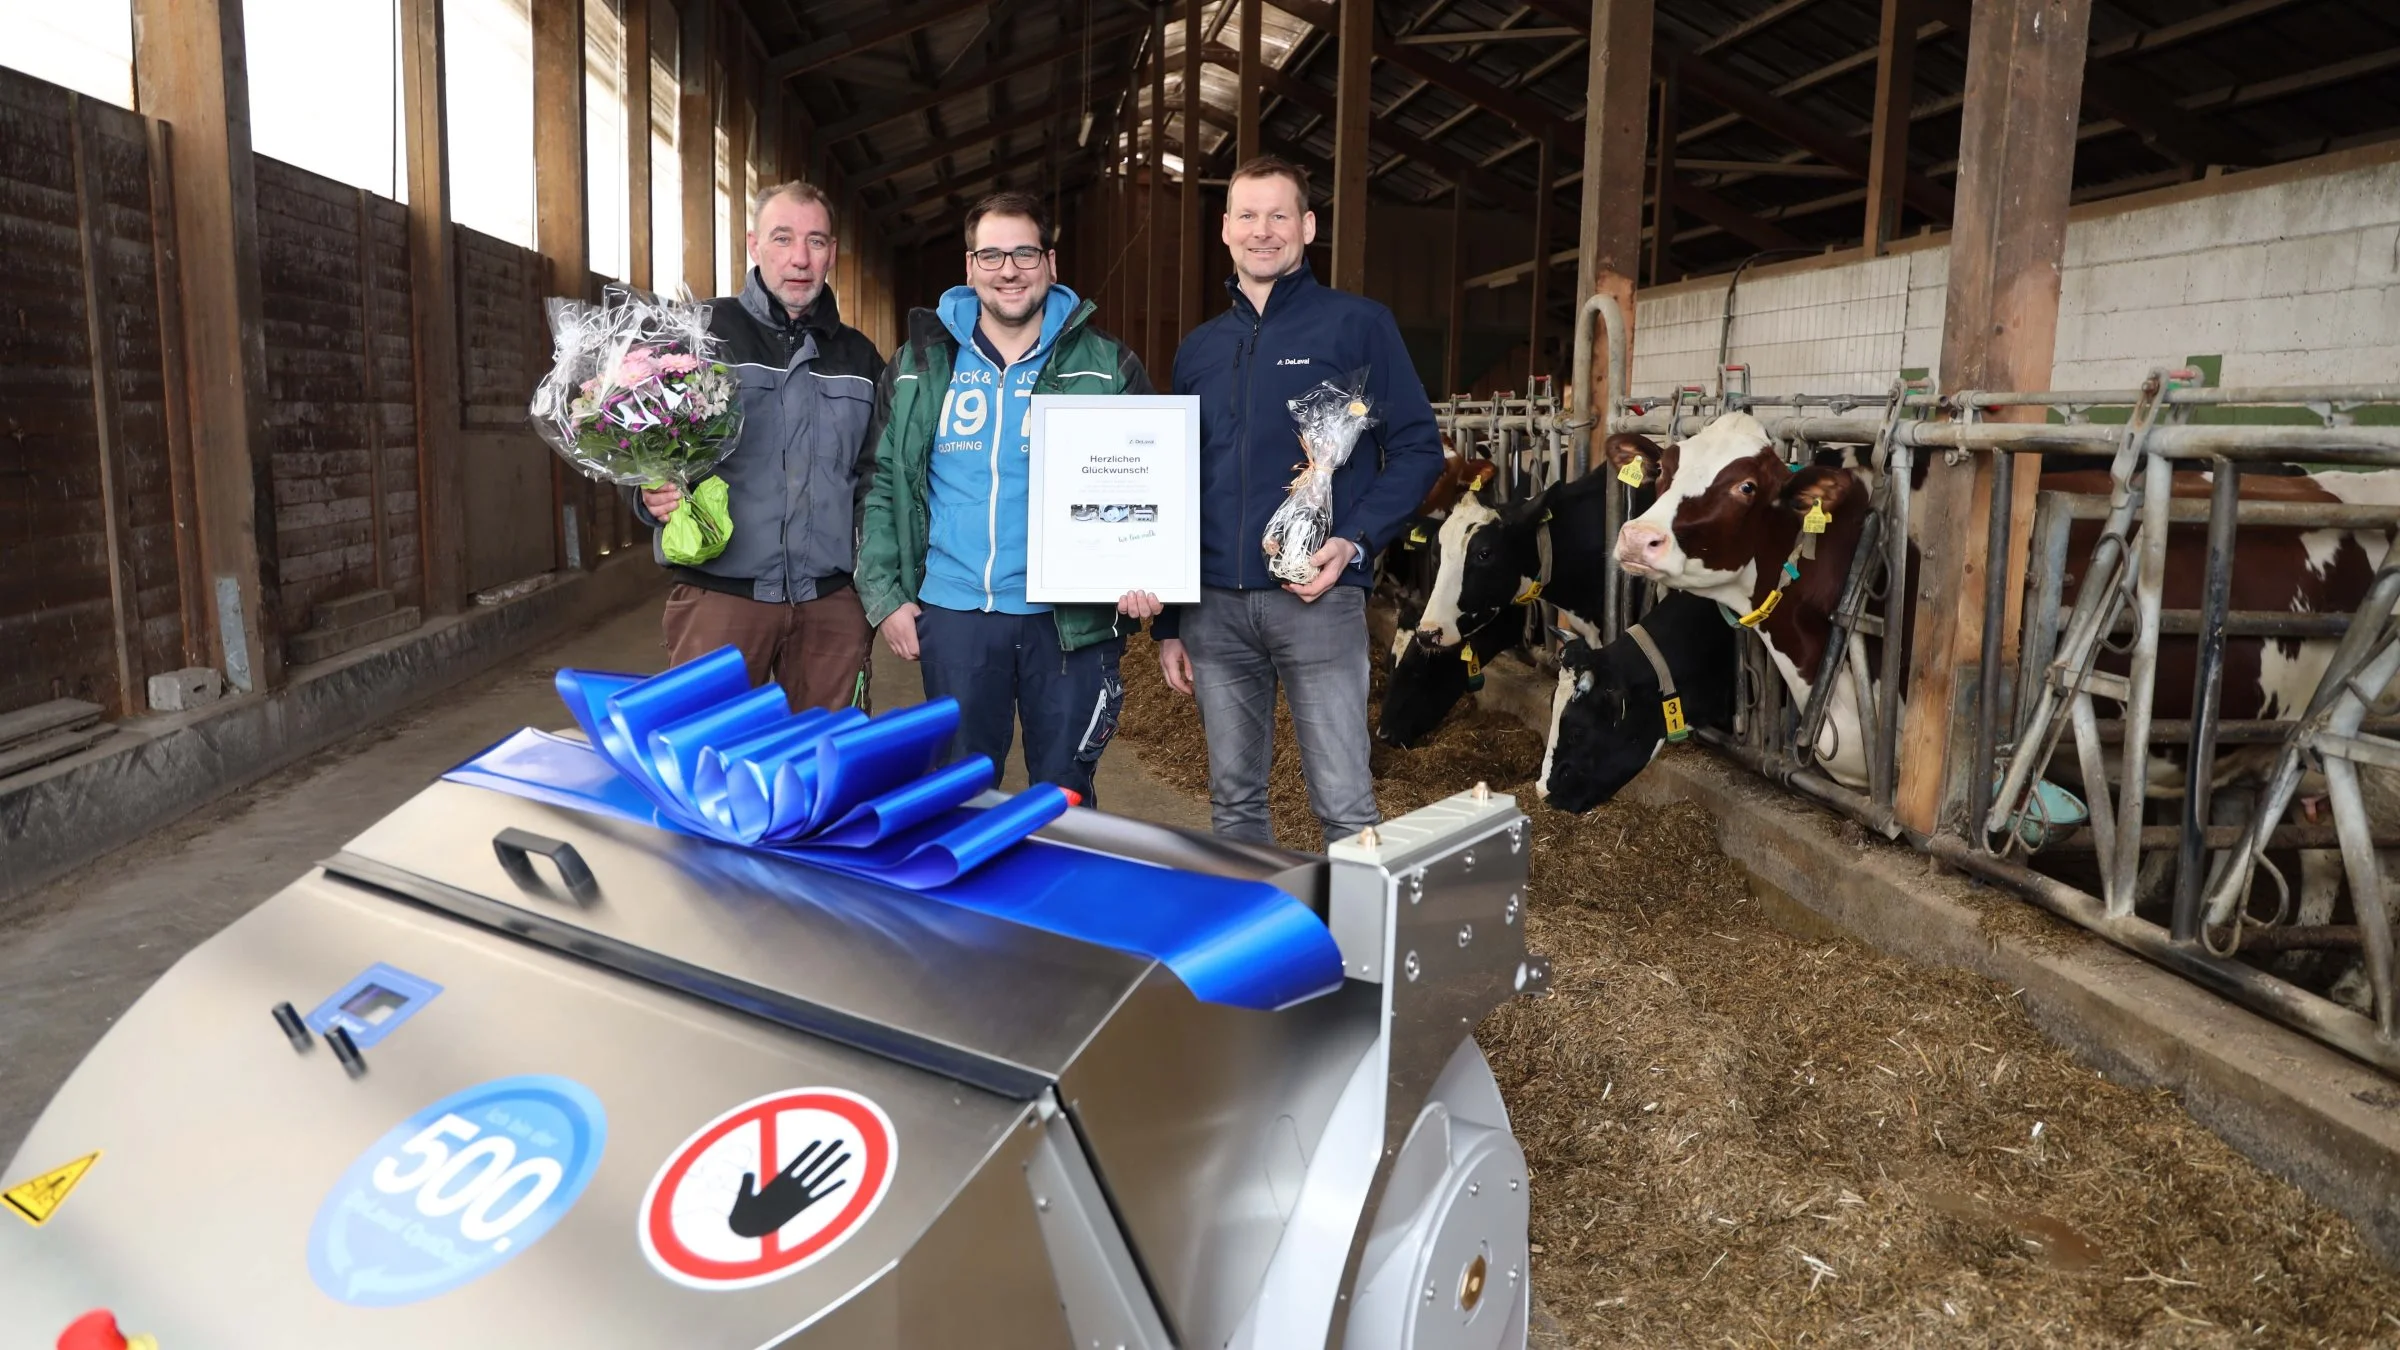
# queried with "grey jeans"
point(1241, 644)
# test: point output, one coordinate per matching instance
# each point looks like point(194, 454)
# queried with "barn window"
point(666, 162)
point(342, 119)
point(487, 78)
point(86, 46)
point(604, 137)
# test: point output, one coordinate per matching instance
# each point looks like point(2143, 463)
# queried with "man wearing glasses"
point(941, 557)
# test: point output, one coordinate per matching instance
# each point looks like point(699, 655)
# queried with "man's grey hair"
point(799, 190)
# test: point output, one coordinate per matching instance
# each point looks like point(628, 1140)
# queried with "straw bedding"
point(1747, 1129)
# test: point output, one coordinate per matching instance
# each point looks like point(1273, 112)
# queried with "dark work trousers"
point(1005, 667)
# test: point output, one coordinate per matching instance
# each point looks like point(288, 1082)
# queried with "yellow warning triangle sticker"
point(40, 1198)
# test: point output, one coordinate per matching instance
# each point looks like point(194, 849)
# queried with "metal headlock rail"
point(2227, 816)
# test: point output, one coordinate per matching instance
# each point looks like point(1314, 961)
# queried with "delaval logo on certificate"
point(1115, 498)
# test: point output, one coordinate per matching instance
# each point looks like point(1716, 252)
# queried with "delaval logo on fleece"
point(1292, 361)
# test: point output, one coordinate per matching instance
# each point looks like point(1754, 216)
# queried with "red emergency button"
point(97, 1330)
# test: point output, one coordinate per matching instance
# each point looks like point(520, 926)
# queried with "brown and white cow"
point(1728, 514)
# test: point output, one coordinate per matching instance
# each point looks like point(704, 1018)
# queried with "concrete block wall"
point(2293, 281)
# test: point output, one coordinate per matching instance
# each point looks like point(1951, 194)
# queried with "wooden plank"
point(1246, 76)
point(29, 754)
point(1662, 180)
point(1190, 297)
point(1887, 156)
point(1999, 330)
point(100, 326)
point(1354, 102)
point(735, 262)
point(371, 384)
point(1609, 231)
point(696, 142)
point(433, 312)
point(190, 63)
point(43, 719)
point(561, 199)
point(1544, 171)
point(637, 142)
point(1740, 95)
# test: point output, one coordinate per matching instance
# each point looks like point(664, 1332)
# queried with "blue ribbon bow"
point(698, 751)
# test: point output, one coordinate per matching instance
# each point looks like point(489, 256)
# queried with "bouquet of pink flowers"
point(636, 396)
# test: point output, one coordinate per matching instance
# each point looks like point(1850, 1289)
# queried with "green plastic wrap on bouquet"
point(700, 526)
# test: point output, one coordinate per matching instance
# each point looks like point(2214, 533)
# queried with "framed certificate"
point(1113, 498)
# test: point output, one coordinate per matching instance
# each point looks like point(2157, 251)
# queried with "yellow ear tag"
point(1630, 474)
point(1467, 654)
point(1532, 591)
point(1416, 534)
point(1816, 520)
point(1673, 708)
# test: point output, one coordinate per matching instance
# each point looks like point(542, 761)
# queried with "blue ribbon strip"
point(698, 751)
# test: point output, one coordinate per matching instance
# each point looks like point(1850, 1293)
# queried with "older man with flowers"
point(778, 585)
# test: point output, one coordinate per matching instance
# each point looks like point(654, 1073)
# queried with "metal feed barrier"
point(1994, 826)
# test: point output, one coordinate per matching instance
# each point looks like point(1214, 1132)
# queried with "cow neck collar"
point(1670, 703)
point(1766, 607)
point(1533, 589)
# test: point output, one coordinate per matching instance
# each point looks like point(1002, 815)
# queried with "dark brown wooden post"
point(696, 141)
point(561, 198)
point(1887, 157)
point(2016, 155)
point(1354, 102)
point(371, 386)
point(1662, 181)
point(191, 577)
point(735, 269)
point(1245, 104)
point(191, 64)
point(433, 312)
point(1454, 344)
point(1153, 324)
point(1189, 295)
point(1609, 231)
point(637, 143)
point(108, 422)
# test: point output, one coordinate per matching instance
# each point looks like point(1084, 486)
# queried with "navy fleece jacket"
point(1246, 367)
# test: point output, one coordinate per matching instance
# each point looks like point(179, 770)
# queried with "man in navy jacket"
point(1285, 335)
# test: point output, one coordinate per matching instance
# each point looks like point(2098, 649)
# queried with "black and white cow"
point(1609, 715)
point(1554, 546)
point(1427, 680)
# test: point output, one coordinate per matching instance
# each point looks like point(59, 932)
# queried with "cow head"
point(1608, 717)
point(1428, 680)
point(1719, 493)
point(1489, 559)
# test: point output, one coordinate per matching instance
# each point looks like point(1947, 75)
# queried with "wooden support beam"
point(837, 47)
point(637, 143)
point(1999, 330)
point(1531, 115)
point(1454, 38)
point(696, 143)
point(983, 134)
point(191, 577)
point(1609, 230)
point(1662, 178)
point(562, 200)
point(1895, 91)
point(1454, 339)
point(1027, 158)
point(1354, 98)
point(1757, 232)
point(192, 68)
point(1788, 120)
point(1153, 322)
point(1540, 307)
point(977, 78)
point(1453, 165)
point(1191, 298)
point(108, 422)
point(1246, 73)
point(733, 265)
point(433, 311)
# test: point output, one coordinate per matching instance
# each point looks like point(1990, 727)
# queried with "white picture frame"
point(1113, 498)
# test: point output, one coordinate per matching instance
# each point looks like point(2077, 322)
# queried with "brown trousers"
point(815, 650)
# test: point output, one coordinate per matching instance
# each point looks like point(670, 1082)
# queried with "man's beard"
point(1032, 305)
point(809, 293)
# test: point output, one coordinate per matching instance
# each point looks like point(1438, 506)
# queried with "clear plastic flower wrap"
point(1331, 418)
point(635, 395)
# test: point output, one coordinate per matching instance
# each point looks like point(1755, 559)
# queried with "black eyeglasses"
point(989, 259)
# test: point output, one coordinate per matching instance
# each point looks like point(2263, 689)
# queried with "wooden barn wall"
point(503, 350)
point(340, 420)
point(90, 593)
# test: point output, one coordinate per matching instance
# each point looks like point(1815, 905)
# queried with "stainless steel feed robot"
point(504, 1072)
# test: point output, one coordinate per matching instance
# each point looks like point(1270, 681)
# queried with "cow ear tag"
point(1416, 534)
point(1816, 520)
point(1531, 592)
point(1466, 653)
point(1676, 730)
point(1630, 473)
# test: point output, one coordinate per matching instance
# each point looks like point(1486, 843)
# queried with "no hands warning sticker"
point(768, 1187)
